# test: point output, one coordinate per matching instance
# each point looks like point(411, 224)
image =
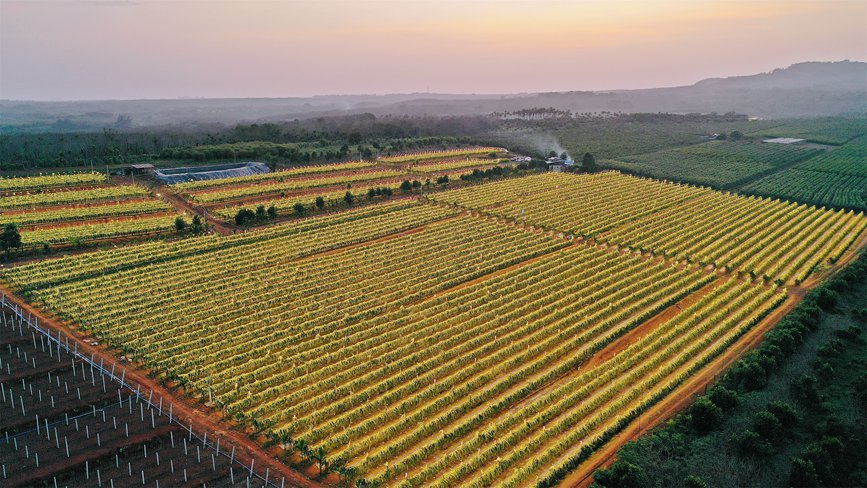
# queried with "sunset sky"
point(185, 48)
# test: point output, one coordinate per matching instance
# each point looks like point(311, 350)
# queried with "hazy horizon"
point(116, 50)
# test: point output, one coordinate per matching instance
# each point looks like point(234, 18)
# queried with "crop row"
point(289, 185)
point(815, 187)
point(101, 230)
point(86, 212)
point(402, 215)
point(331, 198)
point(777, 240)
point(72, 196)
point(583, 205)
point(430, 155)
point(716, 163)
point(450, 165)
point(50, 181)
point(277, 175)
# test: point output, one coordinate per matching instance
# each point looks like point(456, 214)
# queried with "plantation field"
point(71, 214)
point(721, 164)
point(829, 130)
point(837, 178)
point(769, 238)
point(333, 198)
point(848, 159)
point(451, 165)
point(236, 192)
point(815, 187)
point(275, 176)
point(61, 211)
point(70, 196)
point(464, 339)
point(436, 155)
point(50, 181)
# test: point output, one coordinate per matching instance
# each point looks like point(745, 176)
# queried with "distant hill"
point(801, 90)
point(837, 76)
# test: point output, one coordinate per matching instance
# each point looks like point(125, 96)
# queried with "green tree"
point(298, 208)
point(705, 415)
point(588, 164)
point(803, 474)
point(272, 212)
point(10, 238)
point(349, 198)
point(621, 474)
point(180, 224)
point(261, 214)
point(198, 226)
point(406, 186)
point(320, 202)
point(319, 456)
point(736, 135)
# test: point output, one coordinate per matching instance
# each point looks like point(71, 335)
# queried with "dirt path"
point(185, 407)
point(186, 207)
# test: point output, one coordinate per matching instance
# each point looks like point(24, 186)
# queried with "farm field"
point(837, 178)
point(285, 189)
point(763, 237)
point(721, 164)
point(274, 176)
point(828, 130)
point(79, 207)
point(236, 192)
point(438, 155)
point(69, 421)
point(463, 339)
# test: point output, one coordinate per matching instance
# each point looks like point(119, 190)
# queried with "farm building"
point(139, 169)
point(211, 172)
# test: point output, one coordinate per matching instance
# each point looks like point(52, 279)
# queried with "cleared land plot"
point(721, 164)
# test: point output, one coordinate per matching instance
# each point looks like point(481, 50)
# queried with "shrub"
point(705, 416)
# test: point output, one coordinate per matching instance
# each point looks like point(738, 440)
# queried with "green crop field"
point(721, 164)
